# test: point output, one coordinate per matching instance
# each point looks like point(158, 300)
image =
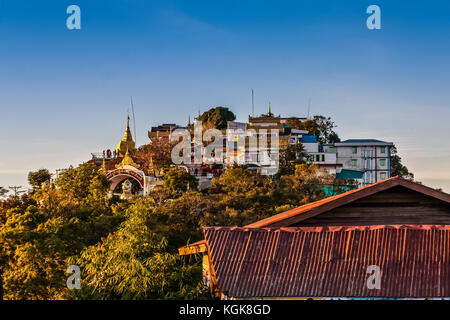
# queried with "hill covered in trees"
point(127, 249)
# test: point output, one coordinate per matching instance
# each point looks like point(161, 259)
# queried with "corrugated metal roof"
point(330, 261)
point(306, 211)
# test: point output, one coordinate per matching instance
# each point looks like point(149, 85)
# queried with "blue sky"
point(65, 93)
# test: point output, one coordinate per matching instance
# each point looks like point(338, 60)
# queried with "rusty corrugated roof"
point(309, 210)
point(330, 261)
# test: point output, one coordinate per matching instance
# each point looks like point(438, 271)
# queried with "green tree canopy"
point(177, 181)
point(289, 157)
point(37, 240)
point(132, 263)
point(397, 167)
point(3, 191)
point(218, 116)
point(37, 178)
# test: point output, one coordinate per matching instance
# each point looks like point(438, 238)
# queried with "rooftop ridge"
point(348, 197)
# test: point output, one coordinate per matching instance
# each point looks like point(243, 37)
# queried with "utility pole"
point(16, 190)
point(253, 104)
point(309, 107)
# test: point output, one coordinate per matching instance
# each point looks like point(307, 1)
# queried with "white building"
point(365, 160)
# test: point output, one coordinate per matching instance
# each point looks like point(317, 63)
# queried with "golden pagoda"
point(127, 142)
point(127, 161)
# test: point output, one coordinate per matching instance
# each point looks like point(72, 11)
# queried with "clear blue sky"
point(65, 93)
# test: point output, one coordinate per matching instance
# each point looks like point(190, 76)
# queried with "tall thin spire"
point(127, 141)
point(127, 136)
point(269, 113)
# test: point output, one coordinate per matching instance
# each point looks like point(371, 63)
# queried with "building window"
point(383, 149)
point(382, 162)
point(322, 157)
point(332, 149)
point(383, 175)
point(354, 149)
point(354, 162)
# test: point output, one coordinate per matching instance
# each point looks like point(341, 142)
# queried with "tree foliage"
point(155, 156)
point(177, 181)
point(127, 249)
point(218, 116)
point(3, 191)
point(40, 233)
point(133, 263)
point(397, 168)
point(320, 126)
point(37, 178)
point(289, 157)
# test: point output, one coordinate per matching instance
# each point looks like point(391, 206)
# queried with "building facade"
point(369, 159)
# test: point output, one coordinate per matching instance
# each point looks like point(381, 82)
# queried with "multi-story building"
point(365, 160)
point(261, 128)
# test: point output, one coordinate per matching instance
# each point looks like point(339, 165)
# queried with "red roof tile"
point(330, 261)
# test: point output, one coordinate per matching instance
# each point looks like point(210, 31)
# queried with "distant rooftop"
point(309, 138)
point(360, 142)
point(165, 127)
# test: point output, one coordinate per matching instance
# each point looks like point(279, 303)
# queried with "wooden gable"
point(391, 201)
point(397, 205)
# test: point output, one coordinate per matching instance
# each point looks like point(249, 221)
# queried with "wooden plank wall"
point(397, 205)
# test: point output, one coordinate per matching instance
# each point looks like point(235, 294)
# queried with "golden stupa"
point(127, 142)
point(127, 161)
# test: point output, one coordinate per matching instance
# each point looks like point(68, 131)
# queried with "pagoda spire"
point(127, 135)
point(269, 113)
point(127, 142)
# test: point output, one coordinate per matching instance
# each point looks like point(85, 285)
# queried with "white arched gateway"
point(128, 170)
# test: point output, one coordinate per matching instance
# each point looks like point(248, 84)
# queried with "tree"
point(132, 263)
point(397, 168)
point(239, 181)
point(37, 241)
point(218, 116)
point(37, 178)
point(243, 196)
point(308, 184)
point(177, 181)
point(289, 157)
point(154, 156)
point(76, 182)
point(3, 192)
point(320, 126)
point(181, 219)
